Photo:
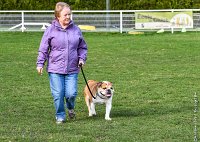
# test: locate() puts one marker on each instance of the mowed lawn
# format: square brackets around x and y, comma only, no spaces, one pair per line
[155,77]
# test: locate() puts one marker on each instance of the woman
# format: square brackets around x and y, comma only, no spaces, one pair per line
[65,50]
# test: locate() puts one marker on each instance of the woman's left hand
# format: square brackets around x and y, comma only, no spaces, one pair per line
[80,63]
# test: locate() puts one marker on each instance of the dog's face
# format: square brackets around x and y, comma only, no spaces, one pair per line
[105,89]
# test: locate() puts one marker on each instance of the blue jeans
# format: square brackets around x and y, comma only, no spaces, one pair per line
[63,88]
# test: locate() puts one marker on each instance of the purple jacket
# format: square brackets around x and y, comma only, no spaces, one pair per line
[62,49]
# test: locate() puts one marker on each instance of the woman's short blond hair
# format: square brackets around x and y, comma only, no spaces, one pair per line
[59,7]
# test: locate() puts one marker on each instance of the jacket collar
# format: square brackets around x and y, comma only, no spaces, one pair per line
[57,25]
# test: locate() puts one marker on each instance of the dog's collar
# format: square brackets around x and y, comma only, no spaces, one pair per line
[100,96]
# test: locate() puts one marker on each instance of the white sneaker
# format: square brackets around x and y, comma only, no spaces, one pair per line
[60,121]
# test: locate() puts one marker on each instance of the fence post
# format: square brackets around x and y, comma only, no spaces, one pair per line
[121,19]
[172,24]
[22,28]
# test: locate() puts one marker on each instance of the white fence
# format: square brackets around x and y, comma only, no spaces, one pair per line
[93,21]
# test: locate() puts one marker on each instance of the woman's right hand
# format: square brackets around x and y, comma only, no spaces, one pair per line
[40,70]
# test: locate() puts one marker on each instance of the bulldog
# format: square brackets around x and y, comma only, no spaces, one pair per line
[103,93]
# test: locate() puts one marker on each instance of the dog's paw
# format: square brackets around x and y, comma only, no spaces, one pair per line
[94,114]
[90,115]
[108,118]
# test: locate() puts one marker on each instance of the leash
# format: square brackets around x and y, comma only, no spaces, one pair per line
[86,82]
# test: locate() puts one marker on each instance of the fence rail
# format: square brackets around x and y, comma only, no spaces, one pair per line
[100,21]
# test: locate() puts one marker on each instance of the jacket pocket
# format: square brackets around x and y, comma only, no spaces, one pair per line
[55,57]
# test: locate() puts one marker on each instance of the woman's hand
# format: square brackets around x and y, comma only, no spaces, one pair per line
[80,63]
[40,70]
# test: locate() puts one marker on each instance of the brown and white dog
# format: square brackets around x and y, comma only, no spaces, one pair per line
[103,93]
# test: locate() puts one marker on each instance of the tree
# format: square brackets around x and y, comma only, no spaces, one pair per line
[99,4]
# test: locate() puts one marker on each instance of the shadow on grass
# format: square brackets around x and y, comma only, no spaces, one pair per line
[136,112]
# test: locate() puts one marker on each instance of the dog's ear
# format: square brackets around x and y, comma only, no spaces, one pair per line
[99,84]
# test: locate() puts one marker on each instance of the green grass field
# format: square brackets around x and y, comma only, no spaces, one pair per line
[155,77]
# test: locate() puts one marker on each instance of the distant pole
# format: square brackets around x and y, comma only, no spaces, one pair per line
[107,4]
[107,15]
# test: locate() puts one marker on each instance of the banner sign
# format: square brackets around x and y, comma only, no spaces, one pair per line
[162,20]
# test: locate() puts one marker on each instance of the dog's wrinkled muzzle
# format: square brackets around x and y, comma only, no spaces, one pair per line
[108,93]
